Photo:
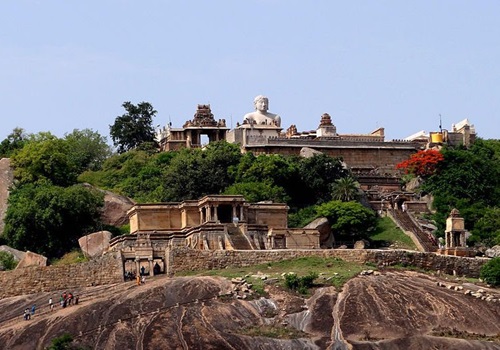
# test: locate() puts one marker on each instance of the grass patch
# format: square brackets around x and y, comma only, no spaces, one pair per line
[386,233]
[331,271]
[73,257]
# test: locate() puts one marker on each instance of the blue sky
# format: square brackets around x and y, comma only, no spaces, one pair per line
[68,65]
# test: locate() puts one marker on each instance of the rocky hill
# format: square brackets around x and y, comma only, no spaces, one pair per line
[390,310]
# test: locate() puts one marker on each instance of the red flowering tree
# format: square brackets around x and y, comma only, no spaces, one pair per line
[422,163]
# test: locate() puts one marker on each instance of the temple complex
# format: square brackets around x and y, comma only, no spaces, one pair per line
[217,222]
[370,157]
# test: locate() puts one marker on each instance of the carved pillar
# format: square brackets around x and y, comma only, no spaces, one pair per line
[201,216]
[234,210]
[150,265]
[216,217]
[242,217]
[137,267]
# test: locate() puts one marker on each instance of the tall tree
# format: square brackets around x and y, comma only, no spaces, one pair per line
[45,158]
[134,128]
[88,149]
[49,219]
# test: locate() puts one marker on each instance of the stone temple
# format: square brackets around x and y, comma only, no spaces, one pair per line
[369,156]
[229,222]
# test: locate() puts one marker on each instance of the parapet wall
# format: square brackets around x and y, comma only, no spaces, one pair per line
[109,268]
[105,270]
[183,259]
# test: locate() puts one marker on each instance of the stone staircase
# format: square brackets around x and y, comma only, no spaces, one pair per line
[238,240]
[404,221]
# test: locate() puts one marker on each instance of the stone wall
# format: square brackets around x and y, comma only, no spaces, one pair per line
[106,270]
[384,157]
[183,259]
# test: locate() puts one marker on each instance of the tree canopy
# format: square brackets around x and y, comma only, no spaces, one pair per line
[133,128]
[469,180]
[49,219]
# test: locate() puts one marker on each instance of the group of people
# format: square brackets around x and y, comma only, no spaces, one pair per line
[29,313]
[66,299]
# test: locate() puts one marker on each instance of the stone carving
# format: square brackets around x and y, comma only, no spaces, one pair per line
[261,116]
[326,120]
[204,118]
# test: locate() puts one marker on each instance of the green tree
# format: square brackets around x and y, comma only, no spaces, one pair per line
[317,175]
[14,141]
[490,272]
[88,149]
[45,157]
[350,220]
[134,127]
[466,179]
[345,189]
[49,219]
[487,228]
[258,191]
[194,173]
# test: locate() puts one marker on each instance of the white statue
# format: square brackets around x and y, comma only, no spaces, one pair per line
[261,116]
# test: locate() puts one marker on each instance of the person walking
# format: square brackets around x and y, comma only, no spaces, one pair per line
[51,304]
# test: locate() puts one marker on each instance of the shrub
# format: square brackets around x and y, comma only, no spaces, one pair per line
[7,261]
[300,284]
[490,272]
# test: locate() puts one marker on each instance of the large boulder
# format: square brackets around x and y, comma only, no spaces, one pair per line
[361,244]
[115,208]
[326,239]
[95,244]
[6,180]
[307,152]
[493,252]
[32,259]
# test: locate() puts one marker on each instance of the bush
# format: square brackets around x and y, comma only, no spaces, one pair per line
[300,284]
[7,261]
[490,272]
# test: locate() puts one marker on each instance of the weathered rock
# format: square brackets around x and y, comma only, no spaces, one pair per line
[95,244]
[32,259]
[361,244]
[326,239]
[115,208]
[6,180]
[307,152]
[396,310]
[17,254]
[493,252]
[413,184]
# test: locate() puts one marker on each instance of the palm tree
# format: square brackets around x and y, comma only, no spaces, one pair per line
[345,189]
